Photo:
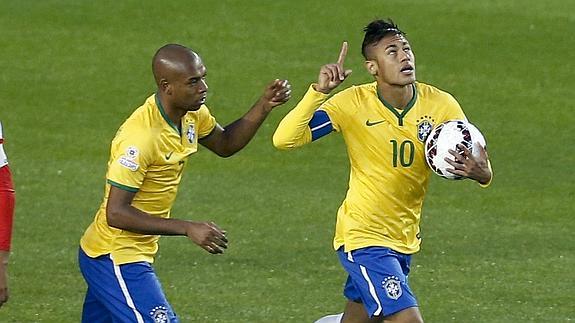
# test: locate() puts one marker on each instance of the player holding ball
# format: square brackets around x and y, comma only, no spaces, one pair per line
[384,125]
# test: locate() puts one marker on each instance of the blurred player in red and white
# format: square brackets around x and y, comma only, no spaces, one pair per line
[6,217]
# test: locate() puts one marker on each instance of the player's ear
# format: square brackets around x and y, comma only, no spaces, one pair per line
[371,67]
[165,86]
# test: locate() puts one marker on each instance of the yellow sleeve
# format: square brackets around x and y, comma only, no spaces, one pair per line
[453,111]
[293,130]
[206,122]
[131,155]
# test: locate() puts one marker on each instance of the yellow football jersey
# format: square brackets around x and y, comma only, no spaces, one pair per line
[147,157]
[385,146]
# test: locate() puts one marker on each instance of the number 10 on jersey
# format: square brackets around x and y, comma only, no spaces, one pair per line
[404,153]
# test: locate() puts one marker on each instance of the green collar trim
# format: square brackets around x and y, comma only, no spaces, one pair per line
[164,115]
[405,110]
[122,186]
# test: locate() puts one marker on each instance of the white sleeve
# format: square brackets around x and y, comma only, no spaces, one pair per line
[3,158]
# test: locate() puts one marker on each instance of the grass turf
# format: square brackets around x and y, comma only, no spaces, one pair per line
[72,71]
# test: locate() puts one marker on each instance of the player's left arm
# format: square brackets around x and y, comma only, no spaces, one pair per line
[466,164]
[310,119]
[226,141]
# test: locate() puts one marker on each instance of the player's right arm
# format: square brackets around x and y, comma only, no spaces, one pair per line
[133,152]
[305,123]
[122,215]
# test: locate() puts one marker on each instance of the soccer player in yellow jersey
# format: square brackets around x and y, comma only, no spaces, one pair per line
[384,125]
[148,155]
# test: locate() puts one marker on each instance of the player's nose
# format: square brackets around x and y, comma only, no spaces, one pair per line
[203,86]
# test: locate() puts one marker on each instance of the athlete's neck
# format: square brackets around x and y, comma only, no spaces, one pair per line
[172,113]
[396,95]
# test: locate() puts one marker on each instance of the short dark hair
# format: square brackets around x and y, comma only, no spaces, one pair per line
[376,30]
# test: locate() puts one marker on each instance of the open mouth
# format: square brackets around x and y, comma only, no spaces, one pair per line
[407,69]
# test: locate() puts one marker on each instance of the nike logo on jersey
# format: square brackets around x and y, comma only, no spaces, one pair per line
[369,123]
[168,155]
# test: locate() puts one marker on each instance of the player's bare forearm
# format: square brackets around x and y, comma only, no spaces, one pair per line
[131,219]
[207,235]
[239,133]
[122,215]
[228,140]
[481,175]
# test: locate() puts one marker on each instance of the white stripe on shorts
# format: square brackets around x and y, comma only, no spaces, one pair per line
[371,290]
[126,293]
[349,257]
[369,283]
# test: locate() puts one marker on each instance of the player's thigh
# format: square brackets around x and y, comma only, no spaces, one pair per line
[147,293]
[378,280]
[356,313]
[408,315]
[130,292]
[93,311]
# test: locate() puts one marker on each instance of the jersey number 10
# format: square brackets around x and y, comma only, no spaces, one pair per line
[403,152]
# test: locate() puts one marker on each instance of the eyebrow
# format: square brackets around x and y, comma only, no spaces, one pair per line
[195,78]
[403,43]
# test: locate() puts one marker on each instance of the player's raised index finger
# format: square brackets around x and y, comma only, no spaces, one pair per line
[342,54]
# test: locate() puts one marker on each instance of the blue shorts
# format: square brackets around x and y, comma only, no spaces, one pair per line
[122,293]
[378,279]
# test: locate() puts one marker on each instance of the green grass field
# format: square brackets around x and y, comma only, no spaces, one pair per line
[72,71]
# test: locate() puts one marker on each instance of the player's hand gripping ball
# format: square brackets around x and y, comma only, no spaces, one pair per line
[446,136]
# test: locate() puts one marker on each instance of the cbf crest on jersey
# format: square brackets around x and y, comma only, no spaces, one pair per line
[191,133]
[392,287]
[424,126]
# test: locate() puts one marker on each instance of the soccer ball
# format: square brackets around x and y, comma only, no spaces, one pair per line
[447,135]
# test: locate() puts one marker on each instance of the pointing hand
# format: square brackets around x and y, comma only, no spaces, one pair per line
[332,75]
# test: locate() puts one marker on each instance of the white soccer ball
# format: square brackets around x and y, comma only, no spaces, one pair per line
[447,135]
